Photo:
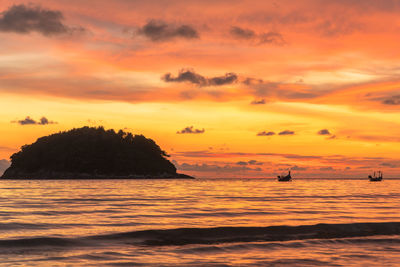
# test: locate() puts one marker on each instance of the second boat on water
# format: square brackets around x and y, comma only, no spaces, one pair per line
[285,178]
[377,177]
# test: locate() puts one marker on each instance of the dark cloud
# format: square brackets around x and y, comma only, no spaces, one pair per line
[159,31]
[185,76]
[286,132]
[258,102]
[241,33]
[264,133]
[32,18]
[193,77]
[190,130]
[255,162]
[29,121]
[393,100]
[250,162]
[228,78]
[324,132]
[4,164]
[258,39]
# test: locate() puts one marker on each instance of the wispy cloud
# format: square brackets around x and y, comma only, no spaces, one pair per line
[258,102]
[225,168]
[393,100]
[286,132]
[264,133]
[190,130]
[262,38]
[250,162]
[190,76]
[29,121]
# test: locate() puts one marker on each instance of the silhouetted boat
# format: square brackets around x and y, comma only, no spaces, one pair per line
[377,177]
[285,178]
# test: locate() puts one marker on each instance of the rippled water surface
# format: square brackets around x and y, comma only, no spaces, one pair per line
[120,222]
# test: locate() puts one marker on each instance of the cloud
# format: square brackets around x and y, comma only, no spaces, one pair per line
[337,27]
[272,38]
[185,76]
[208,154]
[228,78]
[214,168]
[258,39]
[33,18]
[159,31]
[286,132]
[190,130]
[258,102]
[192,77]
[390,164]
[242,33]
[367,5]
[393,100]
[4,164]
[29,121]
[324,132]
[250,162]
[252,81]
[255,162]
[326,169]
[264,133]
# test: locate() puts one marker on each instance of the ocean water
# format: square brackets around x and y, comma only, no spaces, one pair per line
[202,222]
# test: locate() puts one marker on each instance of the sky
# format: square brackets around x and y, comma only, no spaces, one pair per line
[227,88]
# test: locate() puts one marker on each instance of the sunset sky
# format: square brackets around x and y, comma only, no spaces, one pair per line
[227,88]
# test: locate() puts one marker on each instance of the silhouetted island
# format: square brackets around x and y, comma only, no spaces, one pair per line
[91,153]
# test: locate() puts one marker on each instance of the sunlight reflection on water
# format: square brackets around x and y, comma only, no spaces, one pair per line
[44,208]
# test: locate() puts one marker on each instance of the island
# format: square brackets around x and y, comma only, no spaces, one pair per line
[92,153]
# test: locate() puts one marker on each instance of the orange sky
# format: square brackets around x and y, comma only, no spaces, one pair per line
[309,85]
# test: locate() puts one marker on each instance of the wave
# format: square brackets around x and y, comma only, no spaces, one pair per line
[218,235]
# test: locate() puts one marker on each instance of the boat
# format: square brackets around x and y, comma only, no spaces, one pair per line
[285,178]
[377,177]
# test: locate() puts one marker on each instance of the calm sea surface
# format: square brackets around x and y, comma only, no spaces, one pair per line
[202,222]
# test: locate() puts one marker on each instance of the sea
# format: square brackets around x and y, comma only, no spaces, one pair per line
[200,222]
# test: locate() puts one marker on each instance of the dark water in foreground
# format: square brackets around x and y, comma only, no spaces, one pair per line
[212,222]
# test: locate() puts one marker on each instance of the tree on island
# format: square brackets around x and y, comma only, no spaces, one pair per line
[91,152]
